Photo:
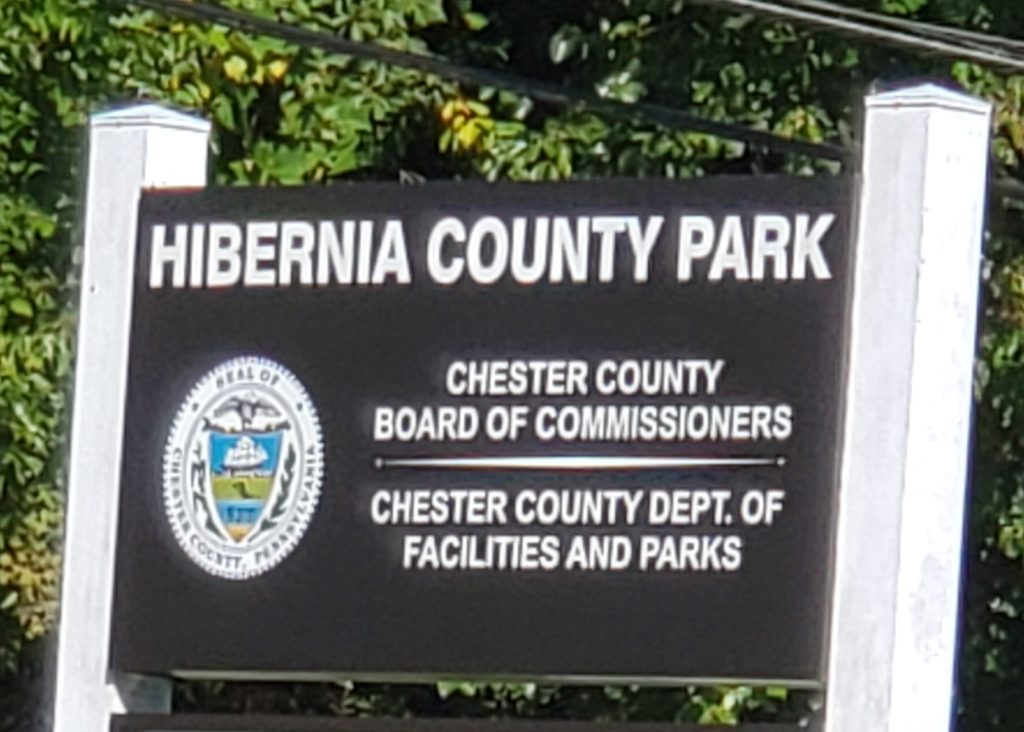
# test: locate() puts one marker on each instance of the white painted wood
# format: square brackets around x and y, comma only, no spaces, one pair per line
[129,149]
[908,409]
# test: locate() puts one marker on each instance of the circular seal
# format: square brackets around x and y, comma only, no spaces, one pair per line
[242,468]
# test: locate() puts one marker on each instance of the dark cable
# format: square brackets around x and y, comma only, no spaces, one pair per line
[543,91]
[1007,187]
[916,27]
[668,117]
[881,35]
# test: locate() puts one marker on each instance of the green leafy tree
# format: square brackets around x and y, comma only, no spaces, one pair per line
[285,115]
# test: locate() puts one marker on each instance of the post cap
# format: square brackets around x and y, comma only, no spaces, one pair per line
[929,95]
[149,114]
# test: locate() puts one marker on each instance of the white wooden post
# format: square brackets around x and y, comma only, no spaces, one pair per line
[908,411]
[129,149]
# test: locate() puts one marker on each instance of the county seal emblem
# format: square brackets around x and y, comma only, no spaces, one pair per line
[242,468]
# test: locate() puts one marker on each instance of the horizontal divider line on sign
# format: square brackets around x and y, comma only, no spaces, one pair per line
[575,462]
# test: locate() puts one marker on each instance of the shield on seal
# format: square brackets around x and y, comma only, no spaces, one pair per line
[243,468]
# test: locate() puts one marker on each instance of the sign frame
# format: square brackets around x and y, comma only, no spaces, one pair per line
[924,169]
[777,353]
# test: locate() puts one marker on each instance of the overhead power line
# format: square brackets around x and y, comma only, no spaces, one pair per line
[543,91]
[1007,188]
[876,32]
[855,22]
[915,27]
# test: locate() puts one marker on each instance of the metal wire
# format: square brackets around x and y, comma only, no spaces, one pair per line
[543,91]
[880,34]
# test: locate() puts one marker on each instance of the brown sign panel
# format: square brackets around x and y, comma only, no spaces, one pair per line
[573,430]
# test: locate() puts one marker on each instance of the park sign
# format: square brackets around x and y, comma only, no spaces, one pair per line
[626,431]
[464,429]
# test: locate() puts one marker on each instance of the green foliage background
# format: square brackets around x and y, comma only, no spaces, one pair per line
[285,115]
